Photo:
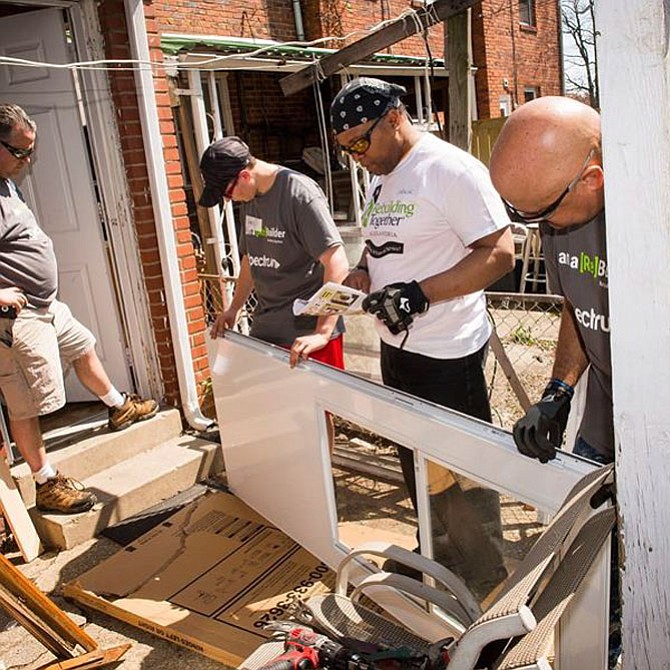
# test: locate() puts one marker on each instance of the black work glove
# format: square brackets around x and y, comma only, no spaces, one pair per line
[396,305]
[540,432]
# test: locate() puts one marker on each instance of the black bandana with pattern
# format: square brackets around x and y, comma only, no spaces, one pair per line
[361,100]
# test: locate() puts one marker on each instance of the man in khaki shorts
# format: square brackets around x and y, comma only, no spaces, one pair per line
[39,337]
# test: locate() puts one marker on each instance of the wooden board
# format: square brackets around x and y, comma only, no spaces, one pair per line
[48,624]
[392,32]
[46,616]
[17,515]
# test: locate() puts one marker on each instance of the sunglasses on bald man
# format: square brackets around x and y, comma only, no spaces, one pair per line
[543,214]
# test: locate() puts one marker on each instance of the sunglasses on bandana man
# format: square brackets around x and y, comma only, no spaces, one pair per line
[536,217]
[362,144]
[19,154]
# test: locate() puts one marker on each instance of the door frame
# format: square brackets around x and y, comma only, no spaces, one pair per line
[116,202]
[118,214]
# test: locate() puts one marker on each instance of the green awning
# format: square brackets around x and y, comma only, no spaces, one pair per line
[174,44]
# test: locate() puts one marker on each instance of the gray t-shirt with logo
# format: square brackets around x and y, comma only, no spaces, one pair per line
[576,260]
[284,232]
[27,258]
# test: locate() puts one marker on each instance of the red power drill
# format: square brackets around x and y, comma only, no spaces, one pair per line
[295,657]
[306,650]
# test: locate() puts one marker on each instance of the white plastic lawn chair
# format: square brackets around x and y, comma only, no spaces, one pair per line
[514,632]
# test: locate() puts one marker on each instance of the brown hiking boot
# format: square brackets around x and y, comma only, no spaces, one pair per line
[134,409]
[62,494]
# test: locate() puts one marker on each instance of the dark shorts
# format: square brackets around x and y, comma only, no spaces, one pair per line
[457,383]
[584,449]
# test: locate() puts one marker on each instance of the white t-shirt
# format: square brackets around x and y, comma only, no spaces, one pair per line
[419,220]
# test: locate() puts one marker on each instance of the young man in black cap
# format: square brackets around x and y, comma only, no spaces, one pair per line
[437,234]
[289,245]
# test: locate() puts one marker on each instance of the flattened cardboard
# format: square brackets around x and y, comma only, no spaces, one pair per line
[208,579]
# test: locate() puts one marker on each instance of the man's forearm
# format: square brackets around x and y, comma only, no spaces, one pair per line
[243,286]
[325,325]
[571,359]
[478,270]
[335,269]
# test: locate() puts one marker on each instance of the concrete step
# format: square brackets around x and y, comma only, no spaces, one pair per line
[101,449]
[126,488]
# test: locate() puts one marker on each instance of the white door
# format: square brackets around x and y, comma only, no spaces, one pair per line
[59,185]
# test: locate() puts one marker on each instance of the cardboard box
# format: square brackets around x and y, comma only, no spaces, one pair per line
[207,578]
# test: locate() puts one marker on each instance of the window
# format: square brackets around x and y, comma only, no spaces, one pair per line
[530,93]
[527,12]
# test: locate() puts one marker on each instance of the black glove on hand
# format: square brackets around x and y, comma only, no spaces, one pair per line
[396,305]
[540,432]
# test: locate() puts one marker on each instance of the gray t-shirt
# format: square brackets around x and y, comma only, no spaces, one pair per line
[576,260]
[284,232]
[27,258]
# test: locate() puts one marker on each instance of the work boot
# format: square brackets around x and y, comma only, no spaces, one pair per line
[65,495]
[133,409]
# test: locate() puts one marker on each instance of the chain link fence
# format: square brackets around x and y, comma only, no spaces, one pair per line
[527,326]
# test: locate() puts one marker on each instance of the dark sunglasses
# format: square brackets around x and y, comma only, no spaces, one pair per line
[19,154]
[543,214]
[362,144]
[228,193]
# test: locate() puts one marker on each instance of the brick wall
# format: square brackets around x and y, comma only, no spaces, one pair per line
[277,128]
[524,56]
[112,18]
[343,17]
[503,48]
[273,19]
[261,19]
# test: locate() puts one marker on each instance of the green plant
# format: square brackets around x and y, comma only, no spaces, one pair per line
[523,335]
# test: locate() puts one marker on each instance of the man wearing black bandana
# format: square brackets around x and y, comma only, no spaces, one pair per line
[437,234]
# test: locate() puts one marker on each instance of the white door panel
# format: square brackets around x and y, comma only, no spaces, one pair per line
[275,447]
[59,185]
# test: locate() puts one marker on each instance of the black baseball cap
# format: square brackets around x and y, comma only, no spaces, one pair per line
[221,162]
[362,100]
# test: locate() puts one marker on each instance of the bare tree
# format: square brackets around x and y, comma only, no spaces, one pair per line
[581,55]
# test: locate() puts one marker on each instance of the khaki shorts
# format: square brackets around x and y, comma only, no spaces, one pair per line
[36,349]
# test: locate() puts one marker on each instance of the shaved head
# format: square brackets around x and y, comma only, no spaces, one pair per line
[540,151]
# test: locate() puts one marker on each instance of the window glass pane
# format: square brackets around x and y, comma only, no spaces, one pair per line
[530,93]
[527,12]
[477,533]
[371,497]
